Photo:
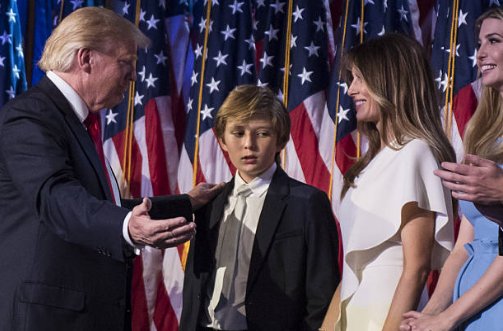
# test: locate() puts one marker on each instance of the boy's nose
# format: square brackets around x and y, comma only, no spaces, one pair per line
[249,141]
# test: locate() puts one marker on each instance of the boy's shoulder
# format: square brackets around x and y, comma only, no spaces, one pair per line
[296,186]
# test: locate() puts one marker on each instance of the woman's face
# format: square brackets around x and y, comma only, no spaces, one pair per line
[490,53]
[365,106]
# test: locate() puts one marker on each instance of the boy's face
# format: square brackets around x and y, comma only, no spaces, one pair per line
[252,146]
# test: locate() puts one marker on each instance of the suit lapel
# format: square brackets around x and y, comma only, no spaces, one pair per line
[215,217]
[272,211]
[218,205]
[78,130]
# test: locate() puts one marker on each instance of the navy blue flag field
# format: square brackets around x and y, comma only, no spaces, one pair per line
[12,63]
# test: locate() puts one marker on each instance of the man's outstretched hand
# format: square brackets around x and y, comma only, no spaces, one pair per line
[159,233]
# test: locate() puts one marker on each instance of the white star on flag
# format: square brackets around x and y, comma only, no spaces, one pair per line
[305,75]
[151,81]
[236,7]
[206,112]
[111,117]
[228,33]
[220,59]
[152,22]
[213,85]
[138,99]
[342,114]
[297,14]
[312,49]
[266,60]
[245,68]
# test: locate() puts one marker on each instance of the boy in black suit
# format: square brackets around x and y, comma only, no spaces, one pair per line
[265,253]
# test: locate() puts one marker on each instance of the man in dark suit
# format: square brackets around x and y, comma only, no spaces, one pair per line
[66,238]
[265,254]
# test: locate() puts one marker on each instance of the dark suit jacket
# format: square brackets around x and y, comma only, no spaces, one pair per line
[63,260]
[293,269]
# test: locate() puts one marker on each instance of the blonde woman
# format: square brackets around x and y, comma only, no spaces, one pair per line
[469,294]
[395,215]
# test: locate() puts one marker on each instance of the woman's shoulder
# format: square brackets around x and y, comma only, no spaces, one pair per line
[417,150]
[416,145]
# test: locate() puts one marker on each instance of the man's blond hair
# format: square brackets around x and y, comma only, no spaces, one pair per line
[90,27]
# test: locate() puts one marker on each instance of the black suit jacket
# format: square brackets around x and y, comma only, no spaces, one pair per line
[63,260]
[293,269]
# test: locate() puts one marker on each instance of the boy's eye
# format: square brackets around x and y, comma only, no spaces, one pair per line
[237,133]
[263,133]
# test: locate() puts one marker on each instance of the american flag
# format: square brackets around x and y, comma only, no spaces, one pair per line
[226,38]
[47,16]
[142,137]
[361,21]
[454,61]
[246,42]
[12,68]
[160,140]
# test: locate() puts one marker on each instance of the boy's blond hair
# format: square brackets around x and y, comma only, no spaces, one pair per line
[245,102]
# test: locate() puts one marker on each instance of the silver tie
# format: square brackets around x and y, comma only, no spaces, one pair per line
[231,239]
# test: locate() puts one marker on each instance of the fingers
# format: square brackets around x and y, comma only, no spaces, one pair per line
[160,233]
[458,168]
[202,193]
[217,187]
[405,326]
[411,315]
[172,232]
[475,160]
[447,175]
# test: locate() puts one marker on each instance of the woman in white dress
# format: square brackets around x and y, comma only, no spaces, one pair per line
[396,217]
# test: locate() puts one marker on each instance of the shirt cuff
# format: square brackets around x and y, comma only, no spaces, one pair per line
[125,234]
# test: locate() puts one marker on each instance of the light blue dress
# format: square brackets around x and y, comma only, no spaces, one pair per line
[481,253]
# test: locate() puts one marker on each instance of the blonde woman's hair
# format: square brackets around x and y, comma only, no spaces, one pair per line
[246,102]
[90,27]
[485,128]
[398,77]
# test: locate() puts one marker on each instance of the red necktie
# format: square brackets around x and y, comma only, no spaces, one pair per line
[92,123]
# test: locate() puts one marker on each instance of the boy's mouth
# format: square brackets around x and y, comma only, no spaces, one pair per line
[249,158]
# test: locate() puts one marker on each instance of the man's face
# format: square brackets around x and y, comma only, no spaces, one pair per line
[252,146]
[111,72]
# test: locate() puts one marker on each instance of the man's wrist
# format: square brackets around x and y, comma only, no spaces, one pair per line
[125,233]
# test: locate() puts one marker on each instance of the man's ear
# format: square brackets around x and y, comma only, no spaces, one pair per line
[222,144]
[85,58]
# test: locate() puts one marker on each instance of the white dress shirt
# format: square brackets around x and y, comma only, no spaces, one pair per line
[230,314]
